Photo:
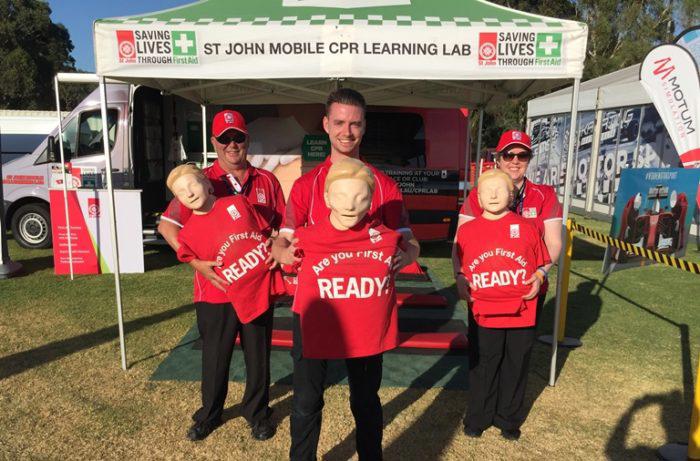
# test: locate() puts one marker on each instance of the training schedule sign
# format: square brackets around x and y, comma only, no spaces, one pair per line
[425,182]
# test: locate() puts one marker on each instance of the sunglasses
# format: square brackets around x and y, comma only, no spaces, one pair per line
[229,136]
[509,156]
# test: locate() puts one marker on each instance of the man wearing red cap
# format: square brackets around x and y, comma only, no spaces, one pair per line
[534,202]
[231,174]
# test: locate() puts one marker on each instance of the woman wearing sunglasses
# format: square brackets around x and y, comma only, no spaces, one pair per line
[535,202]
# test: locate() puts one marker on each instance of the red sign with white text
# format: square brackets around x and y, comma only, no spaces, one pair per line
[83,251]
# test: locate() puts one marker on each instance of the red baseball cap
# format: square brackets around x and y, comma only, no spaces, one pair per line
[514,138]
[228,120]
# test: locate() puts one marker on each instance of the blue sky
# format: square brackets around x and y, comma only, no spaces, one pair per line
[78,16]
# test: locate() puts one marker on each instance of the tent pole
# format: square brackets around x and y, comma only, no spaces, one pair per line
[63,171]
[112,218]
[565,216]
[204,136]
[478,151]
[595,156]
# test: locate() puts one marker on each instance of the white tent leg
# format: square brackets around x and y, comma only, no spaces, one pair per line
[112,218]
[205,160]
[565,216]
[63,170]
[593,160]
[478,151]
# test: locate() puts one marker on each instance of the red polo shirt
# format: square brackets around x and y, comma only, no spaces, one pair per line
[539,204]
[263,191]
[307,206]
[260,187]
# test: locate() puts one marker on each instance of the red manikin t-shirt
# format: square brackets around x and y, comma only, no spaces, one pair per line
[235,234]
[345,295]
[497,257]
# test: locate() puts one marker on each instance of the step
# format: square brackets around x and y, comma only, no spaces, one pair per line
[442,341]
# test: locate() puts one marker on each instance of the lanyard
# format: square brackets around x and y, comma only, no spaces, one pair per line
[516,206]
[234,187]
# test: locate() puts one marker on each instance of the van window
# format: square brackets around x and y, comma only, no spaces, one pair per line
[396,139]
[89,138]
[82,136]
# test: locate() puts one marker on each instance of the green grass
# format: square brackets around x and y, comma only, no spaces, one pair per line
[63,395]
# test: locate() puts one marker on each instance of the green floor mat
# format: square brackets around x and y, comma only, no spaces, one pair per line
[402,368]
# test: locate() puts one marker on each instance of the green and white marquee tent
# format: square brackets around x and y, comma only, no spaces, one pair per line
[418,53]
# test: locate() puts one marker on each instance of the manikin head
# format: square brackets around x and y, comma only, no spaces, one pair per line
[191,187]
[495,191]
[349,188]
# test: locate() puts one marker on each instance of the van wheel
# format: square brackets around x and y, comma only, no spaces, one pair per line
[31,226]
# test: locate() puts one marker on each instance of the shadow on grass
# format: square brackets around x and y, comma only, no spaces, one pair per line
[672,411]
[20,362]
[683,331]
[30,266]
[424,439]
[587,251]
[159,257]
[166,351]
[584,311]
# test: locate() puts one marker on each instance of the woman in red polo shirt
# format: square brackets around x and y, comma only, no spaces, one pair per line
[504,269]
[534,202]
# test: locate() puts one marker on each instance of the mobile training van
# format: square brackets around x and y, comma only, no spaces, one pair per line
[151,132]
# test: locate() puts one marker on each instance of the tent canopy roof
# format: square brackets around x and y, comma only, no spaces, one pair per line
[451,53]
[616,89]
[345,12]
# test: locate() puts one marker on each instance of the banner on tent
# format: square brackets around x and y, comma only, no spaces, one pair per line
[670,76]
[654,210]
[296,51]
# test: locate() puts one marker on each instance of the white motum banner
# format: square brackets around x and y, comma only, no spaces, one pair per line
[670,76]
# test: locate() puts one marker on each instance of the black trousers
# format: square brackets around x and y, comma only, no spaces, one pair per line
[365,378]
[218,326]
[498,365]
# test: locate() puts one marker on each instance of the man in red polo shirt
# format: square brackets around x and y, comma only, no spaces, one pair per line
[534,202]
[345,124]
[231,174]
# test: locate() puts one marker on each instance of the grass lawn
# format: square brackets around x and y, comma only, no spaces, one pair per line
[63,395]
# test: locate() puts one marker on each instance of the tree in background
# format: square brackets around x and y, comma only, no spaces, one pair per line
[620,34]
[32,50]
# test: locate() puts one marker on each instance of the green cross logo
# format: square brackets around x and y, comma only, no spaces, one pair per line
[548,45]
[184,43]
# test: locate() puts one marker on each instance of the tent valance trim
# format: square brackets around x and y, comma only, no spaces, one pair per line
[322,20]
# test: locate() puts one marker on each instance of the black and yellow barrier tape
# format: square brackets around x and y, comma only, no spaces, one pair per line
[660,258]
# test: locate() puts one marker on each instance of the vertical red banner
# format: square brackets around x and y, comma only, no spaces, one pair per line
[82,248]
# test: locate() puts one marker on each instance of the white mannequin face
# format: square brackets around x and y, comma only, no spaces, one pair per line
[192,191]
[349,200]
[494,196]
